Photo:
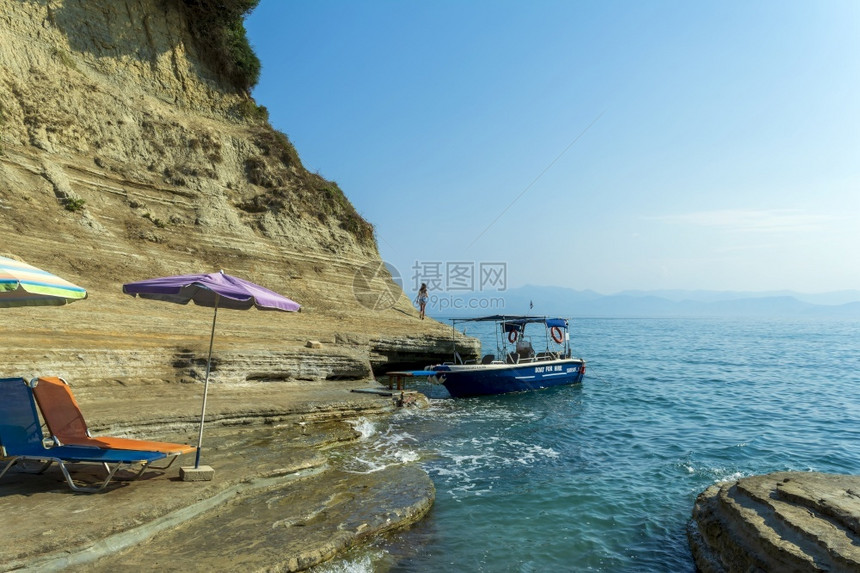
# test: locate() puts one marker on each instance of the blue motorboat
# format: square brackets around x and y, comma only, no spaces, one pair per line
[517,366]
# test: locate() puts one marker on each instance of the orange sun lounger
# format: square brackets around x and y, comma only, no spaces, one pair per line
[67,426]
[21,441]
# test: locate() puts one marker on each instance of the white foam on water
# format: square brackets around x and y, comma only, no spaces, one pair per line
[353,564]
[483,442]
[532,453]
[407,456]
[366,466]
[731,477]
[469,467]
[467,489]
[364,427]
[494,451]
[380,449]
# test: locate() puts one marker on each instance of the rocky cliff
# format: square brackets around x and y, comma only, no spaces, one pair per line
[127,152]
[124,155]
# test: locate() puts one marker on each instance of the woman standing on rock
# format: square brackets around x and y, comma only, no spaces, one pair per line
[422,300]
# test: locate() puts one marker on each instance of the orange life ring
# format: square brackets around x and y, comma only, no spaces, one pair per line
[555,332]
[512,336]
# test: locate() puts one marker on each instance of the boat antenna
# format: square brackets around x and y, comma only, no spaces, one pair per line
[535,180]
[454,338]
[567,336]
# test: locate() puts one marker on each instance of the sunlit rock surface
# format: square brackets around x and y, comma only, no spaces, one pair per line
[787,521]
[124,156]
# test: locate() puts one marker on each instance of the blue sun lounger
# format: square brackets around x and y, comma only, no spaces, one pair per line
[21,439]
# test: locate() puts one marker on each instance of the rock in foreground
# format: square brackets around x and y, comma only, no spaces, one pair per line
[786,521]
[280,500]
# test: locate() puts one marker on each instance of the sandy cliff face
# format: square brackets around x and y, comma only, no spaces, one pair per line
[123,156]
[115,92]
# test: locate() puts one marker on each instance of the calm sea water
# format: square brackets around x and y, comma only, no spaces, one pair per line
[603,476]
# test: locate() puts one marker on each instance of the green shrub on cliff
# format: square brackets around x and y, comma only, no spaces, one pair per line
[330,201]
[219,29]
[75,204]
[65,58]
[249,109]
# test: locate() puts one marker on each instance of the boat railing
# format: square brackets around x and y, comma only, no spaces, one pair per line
[514,358]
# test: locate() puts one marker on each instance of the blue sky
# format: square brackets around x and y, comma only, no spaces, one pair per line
[590,145]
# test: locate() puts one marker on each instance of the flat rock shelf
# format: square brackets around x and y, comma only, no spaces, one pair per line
[786,521]
[276,501]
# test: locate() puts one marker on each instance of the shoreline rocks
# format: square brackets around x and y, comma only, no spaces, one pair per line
[784,521]
[278,500]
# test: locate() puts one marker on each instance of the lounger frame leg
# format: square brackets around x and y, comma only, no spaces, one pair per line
[22,466]
[45,464]
[142,469]
[110,470]
[11,463]
[170,463]
[87,489]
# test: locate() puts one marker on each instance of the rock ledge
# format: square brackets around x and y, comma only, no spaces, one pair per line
[786,521]
[279,500]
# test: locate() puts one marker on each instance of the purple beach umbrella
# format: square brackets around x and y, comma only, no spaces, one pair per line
[215,290]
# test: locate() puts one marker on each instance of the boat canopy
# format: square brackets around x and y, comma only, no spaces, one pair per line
[516,323]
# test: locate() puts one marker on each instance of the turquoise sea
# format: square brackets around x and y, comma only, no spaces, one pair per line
[603,476]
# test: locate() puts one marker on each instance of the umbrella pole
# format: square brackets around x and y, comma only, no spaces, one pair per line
[206,383]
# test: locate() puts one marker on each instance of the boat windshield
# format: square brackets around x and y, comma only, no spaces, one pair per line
[514,342]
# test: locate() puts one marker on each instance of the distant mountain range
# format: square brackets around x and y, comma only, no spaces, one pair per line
[665,303]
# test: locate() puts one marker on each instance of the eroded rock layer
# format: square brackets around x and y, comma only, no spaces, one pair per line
[787,521]
[124,155]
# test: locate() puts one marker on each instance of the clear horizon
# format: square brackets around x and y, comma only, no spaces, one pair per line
[604,146]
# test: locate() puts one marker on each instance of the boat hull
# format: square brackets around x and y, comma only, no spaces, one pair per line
[487,379]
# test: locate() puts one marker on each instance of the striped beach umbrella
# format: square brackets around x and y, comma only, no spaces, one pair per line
[25,285]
